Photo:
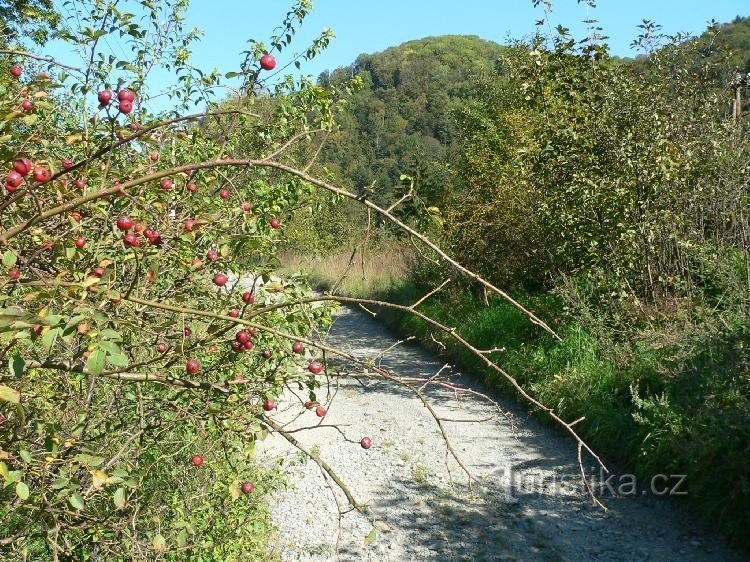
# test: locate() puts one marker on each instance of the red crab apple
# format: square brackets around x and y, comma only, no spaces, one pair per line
[248,345]
[269,405]
[98,271]
[187,331]
[13,180]
[275,223]
[46,245]
[76,216]
[237,347]
[298,347]
[192,188]
[126,107]
[315,367]
[14,274]
[22,166]
[366,442]
[126,95]
[267,354]
[212,255]
[27,105]
[134,127]
[224,193]
[248,487]
[2,421]
[150,275]
[192,366]
[150,233]
[197,262]
[190,226]
[212,348]
[234,313]
[80,242]
[246,207]
[267,62]
[42,175]
[139,227]
[166,183]
[80,183]
[321,411]
[16,70]
[220,279]
[124,223]
[242,336]
[197,461]
[105,96]
[154,156]
[131,240]
[248,297]
[66,163]
[161,348]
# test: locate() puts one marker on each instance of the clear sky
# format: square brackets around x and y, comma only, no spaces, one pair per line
[365,26]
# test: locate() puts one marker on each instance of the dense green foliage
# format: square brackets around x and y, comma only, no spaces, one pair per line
[135,371]
[612,194]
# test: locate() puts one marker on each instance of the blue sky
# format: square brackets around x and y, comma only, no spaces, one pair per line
[373,25]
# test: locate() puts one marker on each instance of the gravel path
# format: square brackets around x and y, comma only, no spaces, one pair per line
[528,506]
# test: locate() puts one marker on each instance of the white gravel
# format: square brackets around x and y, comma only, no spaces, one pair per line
[519,511]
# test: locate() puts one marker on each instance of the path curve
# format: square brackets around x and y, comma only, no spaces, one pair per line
[528,506]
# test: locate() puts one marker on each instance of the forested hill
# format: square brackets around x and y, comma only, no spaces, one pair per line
[401,121]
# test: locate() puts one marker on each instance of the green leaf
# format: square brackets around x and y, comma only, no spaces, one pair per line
[89,460]
[119,498]
[9,259]
[110,347]
[22,491]
[119,360]
[76,501]
[371,536]
[8,394]
[17,365]
[25,456]
[111,335]
[95,362]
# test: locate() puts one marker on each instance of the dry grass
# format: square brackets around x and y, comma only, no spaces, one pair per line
[384,266]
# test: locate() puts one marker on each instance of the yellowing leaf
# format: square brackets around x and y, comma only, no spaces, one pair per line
[8,394]
[371,536]
[159,543]
[99,479]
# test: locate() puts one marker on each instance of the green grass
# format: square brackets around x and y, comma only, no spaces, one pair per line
[645,410]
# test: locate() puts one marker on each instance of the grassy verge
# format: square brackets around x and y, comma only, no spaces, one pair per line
[647,412]
[380,270]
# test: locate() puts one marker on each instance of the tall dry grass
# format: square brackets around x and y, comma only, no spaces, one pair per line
[382,267]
